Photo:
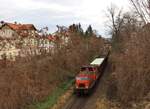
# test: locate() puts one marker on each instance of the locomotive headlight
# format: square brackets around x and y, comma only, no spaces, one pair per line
[77,86]
[77,78]
[86,86]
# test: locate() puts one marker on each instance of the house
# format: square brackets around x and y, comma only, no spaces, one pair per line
[63,34]
[14,37]
[47,43]
[24,40]
[10,30]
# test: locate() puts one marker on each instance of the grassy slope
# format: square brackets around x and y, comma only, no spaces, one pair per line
[52,99]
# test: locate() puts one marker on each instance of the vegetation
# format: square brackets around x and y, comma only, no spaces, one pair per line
[129,81]
[31,79]
[89,31]
[104,103]
[52,99]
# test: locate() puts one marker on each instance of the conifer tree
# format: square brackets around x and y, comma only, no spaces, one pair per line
[89,31]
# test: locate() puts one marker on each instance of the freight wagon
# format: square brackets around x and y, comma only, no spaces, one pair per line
[90,74]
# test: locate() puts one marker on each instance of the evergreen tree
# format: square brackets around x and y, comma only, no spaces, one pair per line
[89,31]
[80,30]
[76,28]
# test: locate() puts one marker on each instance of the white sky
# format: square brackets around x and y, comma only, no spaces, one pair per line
[58,12]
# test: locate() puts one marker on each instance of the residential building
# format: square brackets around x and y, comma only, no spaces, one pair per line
[15,37]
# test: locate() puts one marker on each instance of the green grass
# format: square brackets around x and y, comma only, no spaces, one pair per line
[52,99]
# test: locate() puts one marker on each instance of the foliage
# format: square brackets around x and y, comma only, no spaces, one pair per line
[52,99]
[76,28]
[89,32]
[31,79]
[130,66]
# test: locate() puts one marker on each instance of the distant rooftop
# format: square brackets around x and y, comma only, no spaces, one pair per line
[19,26]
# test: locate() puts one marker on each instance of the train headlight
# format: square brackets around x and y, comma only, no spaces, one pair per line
[77,86]
[86,86]
[77,78]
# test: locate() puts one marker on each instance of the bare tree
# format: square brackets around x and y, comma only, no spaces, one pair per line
[142,8]
[115,17]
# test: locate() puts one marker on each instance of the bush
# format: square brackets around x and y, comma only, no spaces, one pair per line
[34,78]
[131,66]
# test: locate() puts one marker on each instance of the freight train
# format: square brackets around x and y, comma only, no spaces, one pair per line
[90,74]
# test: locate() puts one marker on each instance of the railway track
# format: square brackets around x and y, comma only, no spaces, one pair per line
[88,101]
[82,101]
[76,102]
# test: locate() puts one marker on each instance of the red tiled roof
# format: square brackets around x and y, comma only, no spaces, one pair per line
[51,38]
[21,26]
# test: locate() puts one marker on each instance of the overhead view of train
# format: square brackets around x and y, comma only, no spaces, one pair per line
[88,75]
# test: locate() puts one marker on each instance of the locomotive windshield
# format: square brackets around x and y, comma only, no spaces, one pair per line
[82,78]
[87,70]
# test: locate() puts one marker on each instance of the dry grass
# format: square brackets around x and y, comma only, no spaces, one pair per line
[106,104]
[63,99]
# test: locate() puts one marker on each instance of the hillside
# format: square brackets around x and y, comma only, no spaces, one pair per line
[31,79]
[130,59]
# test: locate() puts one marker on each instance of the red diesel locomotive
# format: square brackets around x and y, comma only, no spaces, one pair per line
[89,75]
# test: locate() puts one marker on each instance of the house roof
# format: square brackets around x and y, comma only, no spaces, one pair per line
[51,38]
[20,26]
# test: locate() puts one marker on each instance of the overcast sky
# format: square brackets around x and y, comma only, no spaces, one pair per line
[58,12]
